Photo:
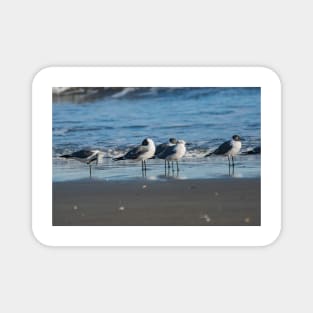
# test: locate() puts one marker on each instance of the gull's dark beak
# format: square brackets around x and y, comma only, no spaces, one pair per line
[187,144]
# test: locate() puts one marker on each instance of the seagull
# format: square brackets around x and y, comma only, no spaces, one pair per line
[84,156]
[229,148]
[161,147]
[174,152]
[140,153]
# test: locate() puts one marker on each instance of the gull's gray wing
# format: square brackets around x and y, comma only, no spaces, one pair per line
[82,154]
[166,152]
[223,148]
[134,153]
[160,148]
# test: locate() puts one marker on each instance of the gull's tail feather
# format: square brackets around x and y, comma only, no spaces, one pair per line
[119,158]
[209,154]
[66,156]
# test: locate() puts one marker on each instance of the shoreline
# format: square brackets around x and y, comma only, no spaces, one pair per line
[170,202]
[191,168]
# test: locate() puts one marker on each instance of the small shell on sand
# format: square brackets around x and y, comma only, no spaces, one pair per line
[75,207]
[206,218]
[247,220]
[121,208]
[144,186]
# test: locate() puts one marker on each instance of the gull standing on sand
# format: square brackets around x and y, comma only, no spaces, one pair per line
[229,148]
[84,156]
[174,152]
[141,153]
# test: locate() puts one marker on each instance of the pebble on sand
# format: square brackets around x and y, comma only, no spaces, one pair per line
[247,220]
[206,218]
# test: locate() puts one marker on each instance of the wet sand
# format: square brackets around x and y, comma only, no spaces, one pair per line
[211,202]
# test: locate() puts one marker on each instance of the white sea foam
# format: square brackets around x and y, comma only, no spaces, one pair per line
[124,92]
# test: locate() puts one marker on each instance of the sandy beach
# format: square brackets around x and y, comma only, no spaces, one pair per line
[206,202]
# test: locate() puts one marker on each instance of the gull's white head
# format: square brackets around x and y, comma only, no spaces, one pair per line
[237,138]
[147,142]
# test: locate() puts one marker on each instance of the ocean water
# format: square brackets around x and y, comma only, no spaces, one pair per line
[116,121]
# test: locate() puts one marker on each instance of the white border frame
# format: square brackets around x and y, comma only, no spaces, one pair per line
[156,235]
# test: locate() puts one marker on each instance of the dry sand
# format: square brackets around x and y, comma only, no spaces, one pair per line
[178,202]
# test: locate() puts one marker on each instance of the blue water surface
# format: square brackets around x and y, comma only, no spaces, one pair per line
[203,117]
